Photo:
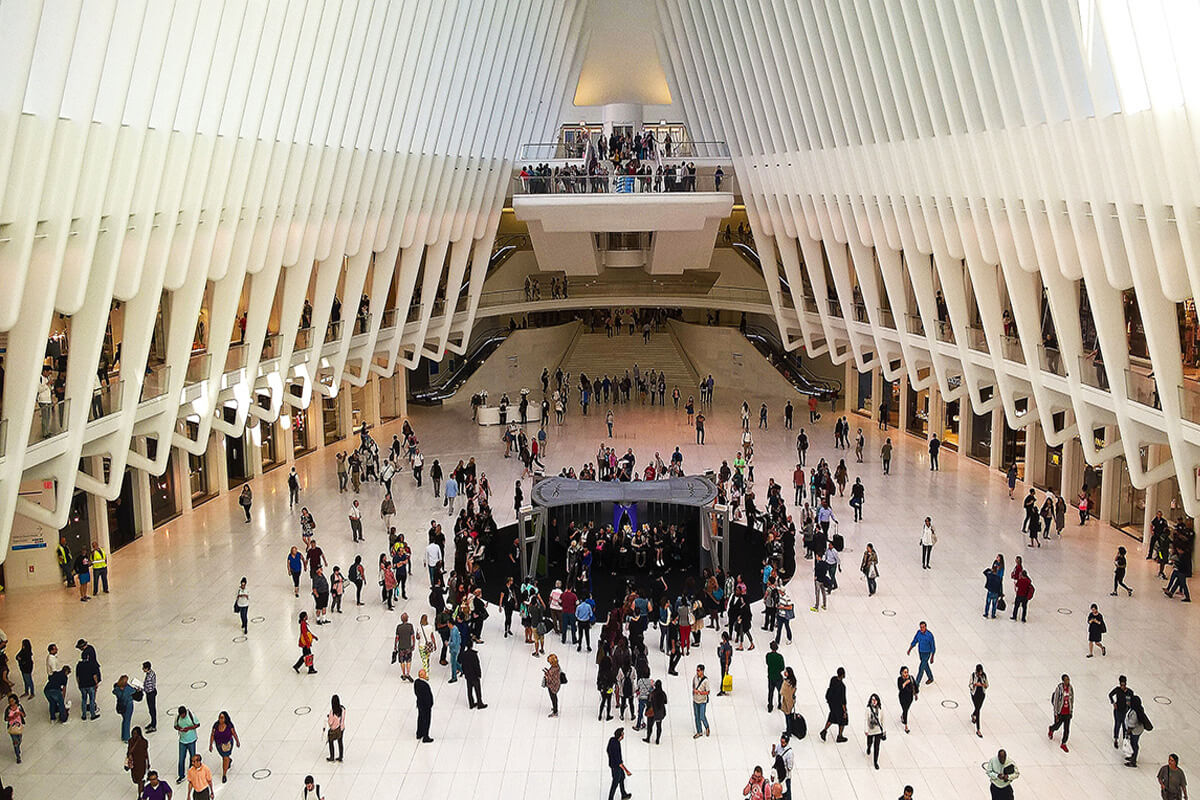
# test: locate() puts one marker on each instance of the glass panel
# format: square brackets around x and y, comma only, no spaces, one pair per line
[333,333]
[106,400]
[49,421]
[977,340]
[943,331]
[272,346]
[1142,389]
[1189,401]
[156,382]
[197,368]
[1092,372]
[981,437]
[1051,361]
[235,359]
[304,338]
[1010,347]
[916,325]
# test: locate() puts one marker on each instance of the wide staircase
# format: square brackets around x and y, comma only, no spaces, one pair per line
[597,355]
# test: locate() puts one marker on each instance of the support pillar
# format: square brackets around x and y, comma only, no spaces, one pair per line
[1108,479]
[902,423]
[997,459]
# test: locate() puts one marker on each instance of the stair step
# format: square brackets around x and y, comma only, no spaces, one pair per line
[597,355]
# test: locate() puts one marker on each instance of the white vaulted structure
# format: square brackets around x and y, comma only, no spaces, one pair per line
[998,201]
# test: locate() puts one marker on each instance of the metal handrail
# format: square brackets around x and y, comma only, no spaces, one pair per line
[621,184]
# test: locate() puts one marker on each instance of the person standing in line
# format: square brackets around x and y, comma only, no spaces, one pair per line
[293,489]
[241,604]
[246,499]
[616,764]
[907,690]
[1171,780]
[1024,591]
[124,692]
[926,648]
[1096,630]
[14,720]
[1136,723]
[928,540]
[1119,697]
[186,726]
[200,780]
[875,731]
[137,760]
[885,455]
[307,638]
[1001,772]
[1062,701]
[700,692]
[870,568]
[335,727]
[775,667]
[468,658]
[552,680]
[224,736]
[1120,563]
[977,685]
[424,696]
[835,699]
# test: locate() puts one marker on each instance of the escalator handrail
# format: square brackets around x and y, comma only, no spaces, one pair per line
[801,377]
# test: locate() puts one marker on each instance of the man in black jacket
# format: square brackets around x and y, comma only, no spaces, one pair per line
[468,659]
[424,705]
[617,764]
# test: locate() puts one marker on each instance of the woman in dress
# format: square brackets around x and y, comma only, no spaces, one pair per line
[977,685]
[907,689]
[1096,631]
[426,641]
[137,758]
[224,736]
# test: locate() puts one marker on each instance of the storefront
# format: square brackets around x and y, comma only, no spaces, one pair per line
[950,425]
[302,439]
[1013,450]
[918,412]
[78,530]
[358,407]
[164,499]
[201,487]
[331,417]
[268,439]
[981,438]
[865,404]
[1129,502]
[237,466]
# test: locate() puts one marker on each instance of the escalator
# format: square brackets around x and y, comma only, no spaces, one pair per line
[485,344]
[789,364]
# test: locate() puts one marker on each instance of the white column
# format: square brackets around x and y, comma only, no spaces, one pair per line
[997,459]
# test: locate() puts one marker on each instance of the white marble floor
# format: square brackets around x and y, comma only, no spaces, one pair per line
[173,592]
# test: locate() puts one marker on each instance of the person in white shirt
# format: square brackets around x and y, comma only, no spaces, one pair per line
[45,399]
[52,665]
[356,522]
[556,605]
[433,560]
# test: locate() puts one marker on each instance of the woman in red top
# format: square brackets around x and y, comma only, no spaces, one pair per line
[307,638]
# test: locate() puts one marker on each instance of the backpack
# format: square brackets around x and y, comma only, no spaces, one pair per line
[1030,592]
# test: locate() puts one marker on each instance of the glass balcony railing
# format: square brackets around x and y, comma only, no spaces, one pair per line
[1189,401]
[106,400]
[1142,389]
[333,332]
[715,294]
[1010,347]
[810,304]
[835,307]
[916,325]
[389,319]
[272,347]
[197,368]
[49,421]
[860,312]
[1051,361]
[578,150]
[654,183]
[886,318]
[1092,373]
[977,340]
[362,324]
[235,358]
[414,312]
[156,383]
[304,338]
[943,331]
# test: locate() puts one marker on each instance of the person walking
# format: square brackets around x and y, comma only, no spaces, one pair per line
[1096,630]
[700,428]
[926,649]
[700,691]
[14,720]
[468,659]
[293,489]
[656,712]
[450,492]
[1120,563]
[870,568]
[435,477]
[245,499]
[137,760]
[424,696]
[977,685]
[775,667]
[907,690]
[1119,697]
[928,540]
[835,699]
[858,494]
[335,728]
[311,790]
[1062,701]
[784,761]
[241,604]
[885,456]
[295,565]
[1136,723]
[200,780]
[224,737]
[1171,780]
[307,638]
[25,665]
[186,726]
[552,680]
[1001,772]
[616,764]
[875,732]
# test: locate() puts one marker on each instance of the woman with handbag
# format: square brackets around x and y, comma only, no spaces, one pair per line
[335,726]
[787,696]
[552,680]
[307,638]
[426,641]
[14,718]
[224,736]
[1096,631]
[656,712]
[875,731]
[137,758]
[908,690]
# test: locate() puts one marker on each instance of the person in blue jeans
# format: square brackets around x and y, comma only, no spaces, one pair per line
[700,693]
[186,726]
[87,675]
[55,692]
[926,647]
[994,584]
[124,694]
[585,613]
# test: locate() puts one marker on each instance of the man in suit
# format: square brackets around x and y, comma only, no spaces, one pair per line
[468,660]
[424,705]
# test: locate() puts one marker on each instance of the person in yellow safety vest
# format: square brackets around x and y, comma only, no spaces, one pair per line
[99,568]
[64,561]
